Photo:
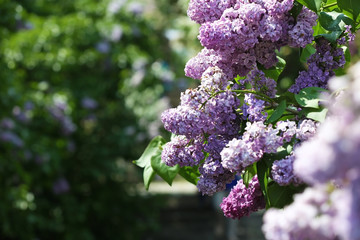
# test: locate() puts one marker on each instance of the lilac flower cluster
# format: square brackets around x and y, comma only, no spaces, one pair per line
[7,133]
[308,217]
[237,35]
[256,140]
[181,151]
[243,200]
[283,172]
[331,156]
[321,66]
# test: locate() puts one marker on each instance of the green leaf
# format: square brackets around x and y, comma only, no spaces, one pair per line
[311,4]
[164,171]
[152,150]
[346,53]
[278,112]
[350,7]
[309,97]
[280,196]
[274,72]
[334,21]
[249,173]
[331,36]
[263,176]
[191,174]
[318,115]
[306,53]
[288,96]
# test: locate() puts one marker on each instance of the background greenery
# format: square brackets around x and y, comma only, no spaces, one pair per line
[82,85]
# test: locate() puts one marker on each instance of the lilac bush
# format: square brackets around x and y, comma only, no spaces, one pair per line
[295,150]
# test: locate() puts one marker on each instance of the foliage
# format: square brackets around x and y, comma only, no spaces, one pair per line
[77,79]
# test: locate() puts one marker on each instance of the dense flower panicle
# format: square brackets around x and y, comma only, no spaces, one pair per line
[238,154]
[287,129]
[210,184]
[183,152]
[283,172]
[202,11]
[338,138]
[253,108]
[215,144]
[308,217]
[256,140]
[321,66]
[302,33]
[200,113]
[213,177]
[243,200]
[260,83]
[278,7]
[307,129]
[213,79]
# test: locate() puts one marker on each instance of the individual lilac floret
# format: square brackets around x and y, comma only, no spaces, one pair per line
[243,200]
[287,129]
[202,11]
[308,217]
[282,172]
[307,129]
[302,32]
[181,151]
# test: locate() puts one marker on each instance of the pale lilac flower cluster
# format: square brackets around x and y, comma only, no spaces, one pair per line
[256,140]
[321,66]
[330,156]
[308,217]
[243,200]
[236,35]
[283,172]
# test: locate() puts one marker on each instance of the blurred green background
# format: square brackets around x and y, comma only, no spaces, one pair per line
[82,85]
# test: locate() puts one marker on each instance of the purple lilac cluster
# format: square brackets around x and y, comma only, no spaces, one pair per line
[327,210]
[183,152]
[349,36]
[236,35]
[321,66]
[282,172]
[58,113]
[253,108]
[7,133]
[243,200]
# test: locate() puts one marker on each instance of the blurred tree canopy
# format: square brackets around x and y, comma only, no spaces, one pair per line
[82,85]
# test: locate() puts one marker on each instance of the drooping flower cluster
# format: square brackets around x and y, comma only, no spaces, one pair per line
[243,200]
[330,156]
[237,35]
[321,66]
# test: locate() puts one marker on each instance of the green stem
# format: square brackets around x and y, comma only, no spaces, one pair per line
[329,5]
[261,95]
